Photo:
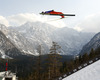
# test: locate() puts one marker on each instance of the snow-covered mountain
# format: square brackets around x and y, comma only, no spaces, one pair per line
[71,40]
[7,49]
[93,43]
[30,35]
[35,34]
[91,72]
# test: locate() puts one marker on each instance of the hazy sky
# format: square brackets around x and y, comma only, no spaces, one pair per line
[87,12]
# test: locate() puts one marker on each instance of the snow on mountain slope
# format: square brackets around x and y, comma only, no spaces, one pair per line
[93,43]
[18,40]
[71,40]
[91,72]
[36,34]
[7,49]
[30,35]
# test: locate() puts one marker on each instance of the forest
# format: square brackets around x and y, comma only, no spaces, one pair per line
[46,67]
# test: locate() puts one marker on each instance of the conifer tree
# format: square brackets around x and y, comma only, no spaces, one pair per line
[97,51]
[85,57]
[54,61]
[76,62]
[37,70]
[39,63]
[92,54]
[80,60]
[64,67]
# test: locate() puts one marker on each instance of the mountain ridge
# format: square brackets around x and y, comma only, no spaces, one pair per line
[7,48]
[93,43]
[30,35]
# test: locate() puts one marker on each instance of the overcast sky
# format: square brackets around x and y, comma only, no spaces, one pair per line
[17,12]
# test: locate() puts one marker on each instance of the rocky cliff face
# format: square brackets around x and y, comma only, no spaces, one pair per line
[7,49]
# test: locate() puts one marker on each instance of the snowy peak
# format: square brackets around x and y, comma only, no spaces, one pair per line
[30,35]
[35,34]
[35,27]
[4,29]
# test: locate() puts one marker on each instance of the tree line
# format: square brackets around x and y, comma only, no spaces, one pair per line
[48,68]
[82,59]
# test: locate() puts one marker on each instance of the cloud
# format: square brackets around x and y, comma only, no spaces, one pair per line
[4,21]
[78,28]
[19,19]
[90,24]
[22,18]
[56,22]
